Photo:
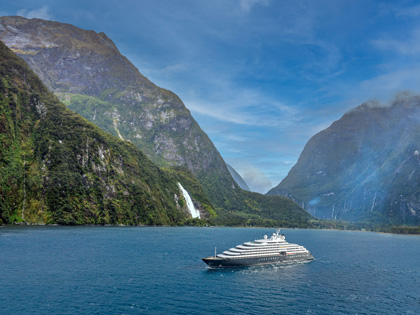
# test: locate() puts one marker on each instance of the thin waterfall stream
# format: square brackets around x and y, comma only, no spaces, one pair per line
[190,205]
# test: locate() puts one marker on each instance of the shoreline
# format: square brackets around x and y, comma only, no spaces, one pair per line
[206,226]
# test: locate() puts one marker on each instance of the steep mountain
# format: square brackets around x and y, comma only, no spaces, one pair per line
[56,167]
[88,73]
[238,179]
[365,166]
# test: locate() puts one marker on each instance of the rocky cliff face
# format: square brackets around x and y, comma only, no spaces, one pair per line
[365,166]
[86,70]
[56,167]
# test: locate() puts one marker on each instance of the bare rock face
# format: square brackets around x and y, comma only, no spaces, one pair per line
[365,166]
[88,73]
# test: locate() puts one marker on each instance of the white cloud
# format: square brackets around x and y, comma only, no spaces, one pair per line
[173,68]
[236,138]
[168,71]
[247,5]
[42,13]
[408,12]
[408,47]
[208,109]
[385,86]
[325,66]
[242,106]
[245,113]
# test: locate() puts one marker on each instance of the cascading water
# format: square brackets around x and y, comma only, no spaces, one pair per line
[194,212]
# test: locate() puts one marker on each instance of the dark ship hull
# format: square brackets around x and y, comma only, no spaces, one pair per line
[217,262]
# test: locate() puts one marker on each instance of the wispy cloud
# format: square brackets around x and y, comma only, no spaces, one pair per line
[412,12]
[236,138]
[386,85]
[248,108]
[248,5]
[169,70]
[324,66]
[409,46]
[207,109]
[42,13]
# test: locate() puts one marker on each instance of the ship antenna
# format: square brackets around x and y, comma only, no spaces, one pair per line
[278,232]
[215,252]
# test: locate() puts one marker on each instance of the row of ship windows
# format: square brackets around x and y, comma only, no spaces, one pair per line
[268,258]
[262,254]
[276,248]
[271,246]
[273,258]
[267,249]
[261,251]
[268,245]
[294,255]
[264,258]
[277,254]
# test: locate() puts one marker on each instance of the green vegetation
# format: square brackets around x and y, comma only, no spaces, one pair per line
[56,167]
[86,106]
[194,188]
[214,185]
[105,88]
[403,230]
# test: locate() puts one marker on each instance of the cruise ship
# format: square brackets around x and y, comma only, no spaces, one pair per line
[266,251]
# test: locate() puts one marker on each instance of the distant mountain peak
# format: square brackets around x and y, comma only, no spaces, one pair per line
[50,34]
[238,178]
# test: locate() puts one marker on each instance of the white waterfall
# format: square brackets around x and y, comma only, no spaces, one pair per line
[194,212]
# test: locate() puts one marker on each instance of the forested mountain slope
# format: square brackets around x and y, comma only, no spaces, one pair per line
[56,167]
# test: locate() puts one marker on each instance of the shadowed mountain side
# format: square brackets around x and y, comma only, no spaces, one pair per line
[365,166]
[86,71]
[238,179]
[56,167]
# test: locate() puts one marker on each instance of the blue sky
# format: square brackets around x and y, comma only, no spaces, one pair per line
[260,76]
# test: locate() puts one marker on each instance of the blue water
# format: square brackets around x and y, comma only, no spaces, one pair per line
[158,270]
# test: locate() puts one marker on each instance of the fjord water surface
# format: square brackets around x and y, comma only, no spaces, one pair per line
[158,270]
